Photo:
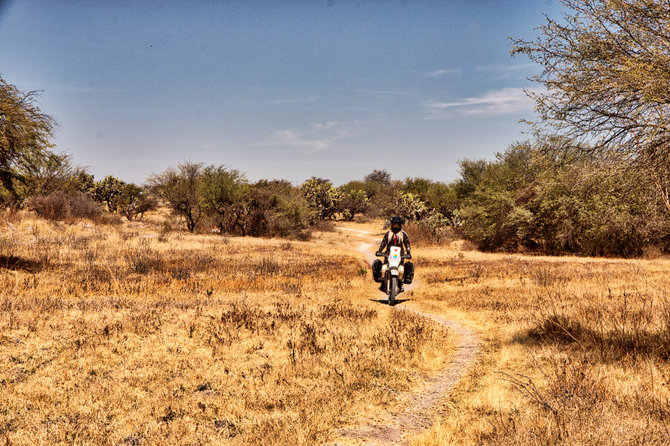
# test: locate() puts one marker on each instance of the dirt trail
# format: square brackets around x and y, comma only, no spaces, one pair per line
[420,408]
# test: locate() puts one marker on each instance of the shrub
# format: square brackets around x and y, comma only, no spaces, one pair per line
[181,189]
[353,200]
[81,205]
[423,234]
[134,201]
[276,208]
[62,206]
[322,197]
[561,199]
[324,226]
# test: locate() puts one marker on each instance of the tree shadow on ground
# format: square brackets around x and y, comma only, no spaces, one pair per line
[14,263]
[610,345]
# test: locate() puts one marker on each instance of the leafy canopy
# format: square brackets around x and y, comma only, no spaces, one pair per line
[25,131]
[605,70]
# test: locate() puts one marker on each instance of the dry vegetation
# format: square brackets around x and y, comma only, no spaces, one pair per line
[125,335]
[128,335]
[578,349]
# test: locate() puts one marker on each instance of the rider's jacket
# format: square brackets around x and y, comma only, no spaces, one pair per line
[400,239]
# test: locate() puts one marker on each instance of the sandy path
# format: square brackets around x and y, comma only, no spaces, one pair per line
[421,407]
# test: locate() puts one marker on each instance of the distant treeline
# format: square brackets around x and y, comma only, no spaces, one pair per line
[545,195]
[552,198]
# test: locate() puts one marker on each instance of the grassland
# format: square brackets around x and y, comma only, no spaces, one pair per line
[129,335]
[577,349]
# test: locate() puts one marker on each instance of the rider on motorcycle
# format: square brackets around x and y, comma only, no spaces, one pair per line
[395,237]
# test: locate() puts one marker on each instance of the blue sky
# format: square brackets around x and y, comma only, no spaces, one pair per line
[276,89]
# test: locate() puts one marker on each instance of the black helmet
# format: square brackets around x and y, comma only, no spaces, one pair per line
[396,224]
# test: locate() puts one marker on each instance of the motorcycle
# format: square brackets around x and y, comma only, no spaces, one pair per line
[393,271]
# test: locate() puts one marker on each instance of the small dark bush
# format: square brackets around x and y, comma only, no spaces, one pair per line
[51,207]
[81,205]
[267,267]
[109,219]
[144,261]
[425,235]
[324,226]
[65,206]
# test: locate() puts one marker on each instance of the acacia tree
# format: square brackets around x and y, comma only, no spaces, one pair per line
[134,201]
[223,191]
[181,190]
[108,190]
[379,176]
[45,172]
[353,199]
[24,131]
[605,69]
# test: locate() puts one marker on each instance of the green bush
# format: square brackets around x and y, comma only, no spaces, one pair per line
[277,208]
[353,200]
[321,197]
[560,199]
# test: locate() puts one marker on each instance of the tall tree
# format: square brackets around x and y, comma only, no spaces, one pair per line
[223,191]
[379,176]
[607,79]
[46,172]
[134,201]
[24,131]
[108,190]
[181,188]
[353,199]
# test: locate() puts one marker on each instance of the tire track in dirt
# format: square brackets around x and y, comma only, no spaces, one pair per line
[420,409]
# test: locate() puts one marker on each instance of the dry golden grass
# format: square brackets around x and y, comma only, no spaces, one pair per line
[577,350]
[126,335]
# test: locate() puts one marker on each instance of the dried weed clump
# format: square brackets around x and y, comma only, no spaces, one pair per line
[123,335]
[632,325]
[578,349]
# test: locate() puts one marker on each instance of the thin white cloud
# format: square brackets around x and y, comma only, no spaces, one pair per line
[504,71]
[291,101]
[318,137]
[505,68]
[498,102]
[325,125]
[293,138]
[443,72]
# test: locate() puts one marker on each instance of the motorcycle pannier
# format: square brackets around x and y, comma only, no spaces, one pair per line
[377,270]
[409,273]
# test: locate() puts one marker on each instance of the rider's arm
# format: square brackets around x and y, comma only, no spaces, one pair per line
[408,248]
[385,241]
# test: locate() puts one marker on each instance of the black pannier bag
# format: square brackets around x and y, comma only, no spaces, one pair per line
[409,273]
[377,270]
